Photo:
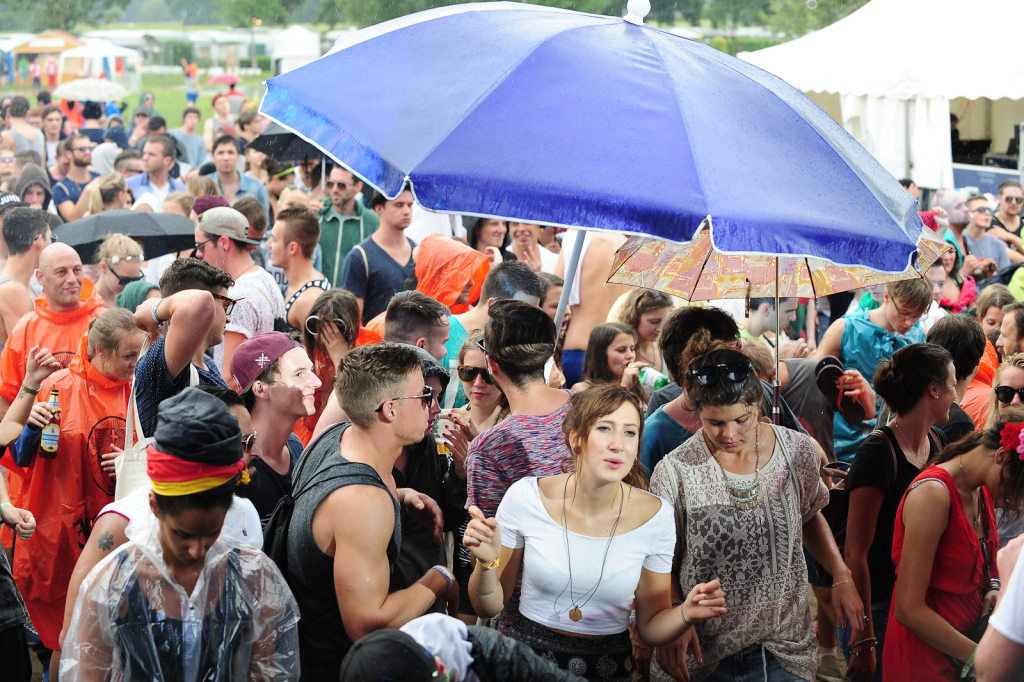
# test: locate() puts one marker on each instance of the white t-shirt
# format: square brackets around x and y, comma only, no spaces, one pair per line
[241,522]
[1008,619]
[545,597]
[254,314]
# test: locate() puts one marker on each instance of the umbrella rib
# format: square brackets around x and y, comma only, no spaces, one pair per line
[814,292]
[700,270]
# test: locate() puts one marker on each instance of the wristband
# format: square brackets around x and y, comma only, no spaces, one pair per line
[155,318]
[682,614]
[632,616]
[2,505]
[842,582]
[969,664]
[35,391]
[493,564]
[444,571]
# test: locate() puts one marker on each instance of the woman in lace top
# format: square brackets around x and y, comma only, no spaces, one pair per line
[747,496]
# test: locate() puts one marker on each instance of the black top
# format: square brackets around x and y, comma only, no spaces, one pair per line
[323,641]
[873,467]
[957,426]
[270,486]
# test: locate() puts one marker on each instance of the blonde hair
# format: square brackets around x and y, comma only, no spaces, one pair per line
[107,188]
[183,199]
[109,329]
[120,245]
[1015,360]
[197,187]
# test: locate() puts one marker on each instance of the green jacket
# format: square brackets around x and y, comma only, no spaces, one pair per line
[338,234]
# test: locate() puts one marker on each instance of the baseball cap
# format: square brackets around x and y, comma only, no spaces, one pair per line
[207,201]
[254,355]
[388,655]
[228,222]
[142,109]
[10,200]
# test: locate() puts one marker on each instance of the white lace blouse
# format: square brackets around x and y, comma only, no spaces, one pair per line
[757,553]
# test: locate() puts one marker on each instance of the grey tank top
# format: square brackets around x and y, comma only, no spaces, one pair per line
[323,642]
[38,143]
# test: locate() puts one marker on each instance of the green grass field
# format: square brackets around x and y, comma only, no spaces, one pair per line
[169,92]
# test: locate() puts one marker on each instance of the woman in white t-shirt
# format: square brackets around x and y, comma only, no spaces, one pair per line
[590,542]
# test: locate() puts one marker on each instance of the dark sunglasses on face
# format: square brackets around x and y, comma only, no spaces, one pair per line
[1004,394]
[710,374]
[249,443]
[427,397]
[981,209]
[469,374]
[125,281]
[340,185]
[1014,200]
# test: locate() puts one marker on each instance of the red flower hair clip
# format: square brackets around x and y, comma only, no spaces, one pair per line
[1012,438]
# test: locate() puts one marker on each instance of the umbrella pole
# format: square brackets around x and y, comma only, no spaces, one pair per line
[776,386]
[570,276]
[323,176]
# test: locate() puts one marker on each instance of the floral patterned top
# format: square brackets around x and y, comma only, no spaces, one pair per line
[757,553]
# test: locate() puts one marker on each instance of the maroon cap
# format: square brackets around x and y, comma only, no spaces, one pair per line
[207,201]
[253,356]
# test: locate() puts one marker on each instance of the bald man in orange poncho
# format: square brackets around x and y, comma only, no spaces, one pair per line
[60,317]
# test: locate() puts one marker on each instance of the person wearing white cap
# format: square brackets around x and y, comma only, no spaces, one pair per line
[222,240]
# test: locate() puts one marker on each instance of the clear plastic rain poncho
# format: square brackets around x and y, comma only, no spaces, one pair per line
[133,622]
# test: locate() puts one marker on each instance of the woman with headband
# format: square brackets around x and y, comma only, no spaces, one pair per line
[182,600]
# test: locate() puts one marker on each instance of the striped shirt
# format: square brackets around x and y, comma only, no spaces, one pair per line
[519,446]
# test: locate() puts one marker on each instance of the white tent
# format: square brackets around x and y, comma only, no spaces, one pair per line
[98,58]
[896,65]
[294,47]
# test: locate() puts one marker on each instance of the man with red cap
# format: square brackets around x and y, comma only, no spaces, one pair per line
[279,387]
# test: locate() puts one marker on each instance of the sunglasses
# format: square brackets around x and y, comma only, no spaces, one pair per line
[82,149]
[200,245]
[249,443]
[480,345]
[314,325]
[125,281]
[340,185]
[710,374]
[469,374]
[1004,394]
[1009,200]
[229,303]
[427,398]
[114,260]
[981,209]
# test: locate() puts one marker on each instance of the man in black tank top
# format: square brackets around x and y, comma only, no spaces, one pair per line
[345,531]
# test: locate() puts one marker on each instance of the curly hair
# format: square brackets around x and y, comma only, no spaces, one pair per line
[193,273]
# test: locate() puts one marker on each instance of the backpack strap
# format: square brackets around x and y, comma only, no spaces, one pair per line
[366,263]
[892,448]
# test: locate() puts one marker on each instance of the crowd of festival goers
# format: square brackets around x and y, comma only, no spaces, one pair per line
[341,438]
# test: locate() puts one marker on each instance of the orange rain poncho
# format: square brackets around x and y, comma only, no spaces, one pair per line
[66,493]
[61,334]
[443,266]
[978,399]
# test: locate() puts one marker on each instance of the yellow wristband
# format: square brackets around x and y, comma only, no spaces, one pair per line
[493,564]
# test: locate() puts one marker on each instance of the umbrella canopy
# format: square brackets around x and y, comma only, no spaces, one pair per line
[224,79]
[282,144]
[696,271]
[90,90]
[160,233]
[557,117]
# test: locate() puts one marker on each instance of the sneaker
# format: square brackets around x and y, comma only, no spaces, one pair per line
[828,666]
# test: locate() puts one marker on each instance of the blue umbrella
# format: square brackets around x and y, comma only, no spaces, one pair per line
[550,116]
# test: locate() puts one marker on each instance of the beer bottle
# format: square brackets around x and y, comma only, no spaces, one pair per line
[51,432]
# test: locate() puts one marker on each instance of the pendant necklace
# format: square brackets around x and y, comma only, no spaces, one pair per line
[964,477]
[907,443]
[744,496]
[576,612]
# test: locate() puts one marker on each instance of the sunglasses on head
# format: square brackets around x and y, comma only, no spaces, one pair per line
[1004,394]
[469,374]
[314,325]
[710,374]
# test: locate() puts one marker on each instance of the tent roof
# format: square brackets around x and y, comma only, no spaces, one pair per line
[296,41]
[48,42]
[98,48]
[903,49]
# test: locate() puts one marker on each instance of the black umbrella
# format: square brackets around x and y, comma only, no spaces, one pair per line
[161,233]
[279,143]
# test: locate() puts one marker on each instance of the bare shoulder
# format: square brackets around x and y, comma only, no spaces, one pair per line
[357,499]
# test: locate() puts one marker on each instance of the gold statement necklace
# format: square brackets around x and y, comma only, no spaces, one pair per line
[744,496]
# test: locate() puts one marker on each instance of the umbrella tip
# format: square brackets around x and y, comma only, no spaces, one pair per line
[636,10]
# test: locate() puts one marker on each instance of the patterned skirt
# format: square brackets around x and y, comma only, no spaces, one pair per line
[608,658]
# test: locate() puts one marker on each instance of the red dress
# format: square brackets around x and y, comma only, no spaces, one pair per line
[954,591]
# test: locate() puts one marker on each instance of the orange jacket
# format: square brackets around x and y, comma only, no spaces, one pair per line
[61,334]
[978,398]
[66,493]
[443,266]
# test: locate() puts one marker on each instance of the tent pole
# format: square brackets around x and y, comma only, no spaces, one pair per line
[776,386]
[906,136]
[570,276]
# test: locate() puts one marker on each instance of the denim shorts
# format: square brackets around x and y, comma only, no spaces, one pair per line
[753,664]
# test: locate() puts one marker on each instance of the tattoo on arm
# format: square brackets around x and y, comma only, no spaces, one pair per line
[105,542]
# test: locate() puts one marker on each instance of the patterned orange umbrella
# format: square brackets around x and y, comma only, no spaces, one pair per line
[696,271]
